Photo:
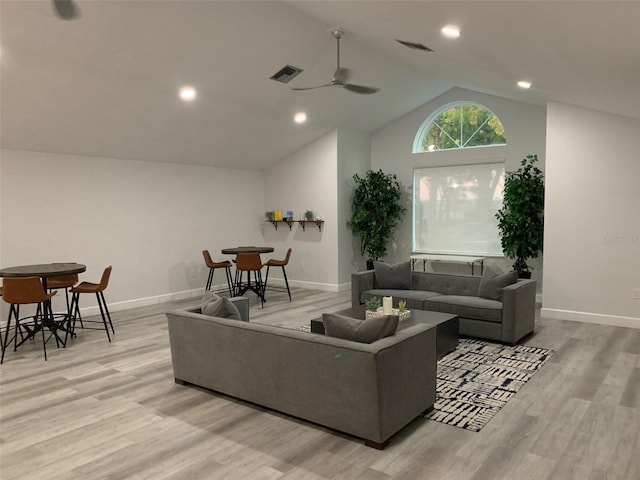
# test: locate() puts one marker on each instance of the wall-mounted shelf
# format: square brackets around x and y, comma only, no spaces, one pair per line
[276,222]
[319,223]
[290,223]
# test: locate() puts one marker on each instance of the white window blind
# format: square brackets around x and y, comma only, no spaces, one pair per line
[454,209]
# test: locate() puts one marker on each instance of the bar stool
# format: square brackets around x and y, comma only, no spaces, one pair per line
[98,289]
[212,266]
[27,291]
[249,262]
[279,263]
[63,282]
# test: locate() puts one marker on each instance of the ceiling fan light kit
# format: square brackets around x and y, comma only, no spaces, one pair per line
[341,75]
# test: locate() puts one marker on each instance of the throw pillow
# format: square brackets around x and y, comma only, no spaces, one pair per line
[491,284]
[395,277]
[217,306]
[363,331]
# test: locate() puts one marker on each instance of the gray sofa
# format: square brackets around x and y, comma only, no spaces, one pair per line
[506,320]
[367,390]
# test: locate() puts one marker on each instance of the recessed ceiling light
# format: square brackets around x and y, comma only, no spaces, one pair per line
[524,84]
[450,31]
[188,94]
[300,117]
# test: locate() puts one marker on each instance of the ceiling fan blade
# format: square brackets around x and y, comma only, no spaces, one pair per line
[66,9]
[362,89]
[313,88]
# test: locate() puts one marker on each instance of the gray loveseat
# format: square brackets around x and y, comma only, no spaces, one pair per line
[367,390]
[506,317]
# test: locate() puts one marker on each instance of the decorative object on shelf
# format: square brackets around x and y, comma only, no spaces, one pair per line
[269,216]
[289,216]
[308,215]
[277,215]
[521,218]
[375,212]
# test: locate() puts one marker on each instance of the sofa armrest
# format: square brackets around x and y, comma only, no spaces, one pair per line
[361,282]
[518,310]
[242,304]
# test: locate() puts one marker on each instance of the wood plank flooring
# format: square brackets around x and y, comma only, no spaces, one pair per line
[99,410]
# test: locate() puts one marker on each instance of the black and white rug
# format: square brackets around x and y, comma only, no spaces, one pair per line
[479,377]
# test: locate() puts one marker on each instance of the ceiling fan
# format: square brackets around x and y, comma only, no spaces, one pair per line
[341,75]
[66,9]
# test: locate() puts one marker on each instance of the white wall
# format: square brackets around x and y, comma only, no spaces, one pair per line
[391,150]
[151,221]
[354,156]
[592,216]
[305,180]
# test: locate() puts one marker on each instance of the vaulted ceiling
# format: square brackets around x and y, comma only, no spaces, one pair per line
[106,84]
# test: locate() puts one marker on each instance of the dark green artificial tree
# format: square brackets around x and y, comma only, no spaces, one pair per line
[375,212]
[521,218]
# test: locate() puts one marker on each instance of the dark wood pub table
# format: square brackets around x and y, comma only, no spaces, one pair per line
[447,326]
[257,287]
[236,250]
[44,271]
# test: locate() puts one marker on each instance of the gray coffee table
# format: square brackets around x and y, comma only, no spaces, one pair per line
[447,326]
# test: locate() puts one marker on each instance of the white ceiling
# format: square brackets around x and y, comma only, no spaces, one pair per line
[106,84]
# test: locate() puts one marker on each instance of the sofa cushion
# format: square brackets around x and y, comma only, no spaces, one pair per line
[363,331]
[217,306]
[492,283]
[445,283]
[467,307]
[396,276]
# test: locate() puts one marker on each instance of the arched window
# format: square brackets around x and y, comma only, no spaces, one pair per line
[459,125]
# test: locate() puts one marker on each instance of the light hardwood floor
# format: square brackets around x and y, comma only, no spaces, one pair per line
[112,411]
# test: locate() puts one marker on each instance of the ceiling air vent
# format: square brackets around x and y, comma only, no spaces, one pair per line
[416,46]
[286,73]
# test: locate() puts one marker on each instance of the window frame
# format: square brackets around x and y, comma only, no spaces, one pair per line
[426,125]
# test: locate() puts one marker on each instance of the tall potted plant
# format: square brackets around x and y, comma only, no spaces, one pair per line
[375,212]
[521,218]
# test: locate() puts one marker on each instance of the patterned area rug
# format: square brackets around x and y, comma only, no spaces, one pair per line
[479,377]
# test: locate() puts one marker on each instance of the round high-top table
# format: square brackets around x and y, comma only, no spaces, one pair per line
[43,270]
[236,250]
[257,287]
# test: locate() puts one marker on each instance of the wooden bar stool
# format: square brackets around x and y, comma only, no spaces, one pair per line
[26,291]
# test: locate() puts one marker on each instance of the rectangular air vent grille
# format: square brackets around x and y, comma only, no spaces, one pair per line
[286,73]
